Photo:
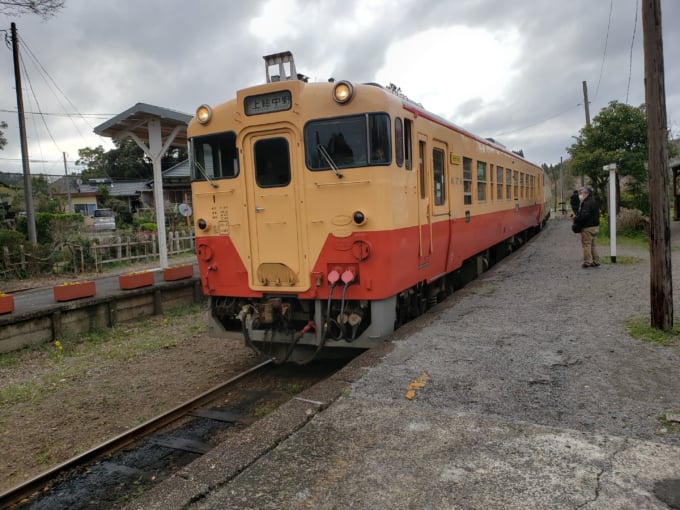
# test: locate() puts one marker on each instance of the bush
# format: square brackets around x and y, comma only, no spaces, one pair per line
[50,228]
[143,216]
[149,227]
[631,221]
[12,240]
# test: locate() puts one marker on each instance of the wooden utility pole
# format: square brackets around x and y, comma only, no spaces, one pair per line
[661,283]
[586,105]
[28,192]
[586,102]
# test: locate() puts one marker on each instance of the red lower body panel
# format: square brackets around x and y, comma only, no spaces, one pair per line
[383,263]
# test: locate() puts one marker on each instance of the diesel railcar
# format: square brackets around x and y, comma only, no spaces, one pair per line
[329,213]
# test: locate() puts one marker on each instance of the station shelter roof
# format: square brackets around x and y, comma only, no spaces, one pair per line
[135,120]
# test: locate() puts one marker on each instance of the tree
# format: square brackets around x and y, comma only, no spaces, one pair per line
[3,140]
[94,160]
[126,161]
[618,134]
[43,8]
[173,156]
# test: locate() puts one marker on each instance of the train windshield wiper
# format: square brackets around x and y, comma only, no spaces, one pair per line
[322,150]
[205,174]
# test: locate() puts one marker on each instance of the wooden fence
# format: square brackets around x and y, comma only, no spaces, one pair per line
[76,258]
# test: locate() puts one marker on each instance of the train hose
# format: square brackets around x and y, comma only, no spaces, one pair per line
[244,329]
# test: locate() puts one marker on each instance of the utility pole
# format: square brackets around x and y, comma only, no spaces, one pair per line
[585,102]
[68,185]
[661,283]
[28,192]
[586,105]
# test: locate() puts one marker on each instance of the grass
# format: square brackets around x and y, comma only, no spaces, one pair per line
[672,425]
[640,329]
[263,410]
[56,365]
[294,389]
[624,260]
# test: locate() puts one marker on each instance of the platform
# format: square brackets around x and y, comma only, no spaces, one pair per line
[521,391]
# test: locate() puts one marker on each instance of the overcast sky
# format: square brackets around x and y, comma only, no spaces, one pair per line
[511,70]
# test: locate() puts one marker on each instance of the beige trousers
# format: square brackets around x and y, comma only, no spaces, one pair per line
[588,236]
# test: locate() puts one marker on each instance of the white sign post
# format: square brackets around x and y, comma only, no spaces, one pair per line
[612,210]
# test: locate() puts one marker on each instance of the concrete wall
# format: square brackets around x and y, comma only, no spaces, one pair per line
[81,317]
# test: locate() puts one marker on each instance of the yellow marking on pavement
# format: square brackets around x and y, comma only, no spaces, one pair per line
[416,385]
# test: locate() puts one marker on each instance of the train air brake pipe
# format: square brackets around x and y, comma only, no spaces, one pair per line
[347,277]
[243,317]
[333,278]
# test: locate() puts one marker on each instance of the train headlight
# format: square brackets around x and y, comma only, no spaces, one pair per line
[343,92]
[203,114]
[202,224]
[359,217]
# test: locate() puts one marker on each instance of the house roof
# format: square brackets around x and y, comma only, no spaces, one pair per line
[116,188]
[180,170]
[135,120]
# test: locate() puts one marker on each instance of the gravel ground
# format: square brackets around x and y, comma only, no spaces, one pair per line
[554,349]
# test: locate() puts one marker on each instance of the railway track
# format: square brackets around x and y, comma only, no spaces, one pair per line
[35,492]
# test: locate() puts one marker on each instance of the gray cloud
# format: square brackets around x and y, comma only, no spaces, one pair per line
[107,56]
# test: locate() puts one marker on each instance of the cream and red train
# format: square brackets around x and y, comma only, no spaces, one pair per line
[329,213]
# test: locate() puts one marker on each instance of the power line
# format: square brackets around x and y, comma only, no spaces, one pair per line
[604,53]
[93,115]
[35,98]
[630,64]
[539,122]
[48,79]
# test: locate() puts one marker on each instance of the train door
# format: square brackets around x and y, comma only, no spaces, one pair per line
[424,205]
[275,235]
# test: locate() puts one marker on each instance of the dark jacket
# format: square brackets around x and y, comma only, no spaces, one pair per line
[589,213]
[575,202]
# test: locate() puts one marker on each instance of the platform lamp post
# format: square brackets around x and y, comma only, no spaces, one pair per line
[612,210]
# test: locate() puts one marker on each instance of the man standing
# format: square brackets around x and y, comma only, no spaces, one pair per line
[588,219]
[575,201]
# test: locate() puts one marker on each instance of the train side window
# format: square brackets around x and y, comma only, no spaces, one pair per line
[467,180]
[421,159]
[481,181]
[491,175]
[408,148]
[514,183]
[521,185]
[398,142]
[499,182]
[438,176]
[508,184]
[379,131]
[272,162]
[214,156]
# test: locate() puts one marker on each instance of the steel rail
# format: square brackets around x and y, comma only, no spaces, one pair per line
[26,489]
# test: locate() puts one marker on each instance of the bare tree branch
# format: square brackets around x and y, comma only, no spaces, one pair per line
[43,8]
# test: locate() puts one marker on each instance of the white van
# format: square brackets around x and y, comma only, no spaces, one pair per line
[104,219]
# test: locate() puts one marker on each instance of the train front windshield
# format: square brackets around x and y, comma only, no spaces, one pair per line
[354,141]
[214,156]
